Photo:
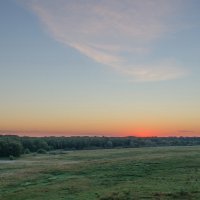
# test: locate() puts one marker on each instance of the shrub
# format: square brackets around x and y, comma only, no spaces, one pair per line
[14,149]
[27,151]
[11,157]
[41,151]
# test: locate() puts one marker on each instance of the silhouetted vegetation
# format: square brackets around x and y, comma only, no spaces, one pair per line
[15,145]
[41,151]
[10,147]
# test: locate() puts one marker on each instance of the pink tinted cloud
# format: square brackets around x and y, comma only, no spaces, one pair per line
[108,31]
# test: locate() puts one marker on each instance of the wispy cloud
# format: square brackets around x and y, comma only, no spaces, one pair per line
[186,131]
[114,32]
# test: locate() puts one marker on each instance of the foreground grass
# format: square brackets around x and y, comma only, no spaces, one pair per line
[115,174]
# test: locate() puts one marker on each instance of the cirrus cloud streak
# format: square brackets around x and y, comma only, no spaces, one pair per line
[115,32]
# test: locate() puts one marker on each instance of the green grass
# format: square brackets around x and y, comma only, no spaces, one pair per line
[115,174]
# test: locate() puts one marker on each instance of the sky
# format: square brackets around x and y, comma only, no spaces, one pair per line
[104,68]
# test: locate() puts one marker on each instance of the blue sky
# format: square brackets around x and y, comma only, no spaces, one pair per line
[108,67]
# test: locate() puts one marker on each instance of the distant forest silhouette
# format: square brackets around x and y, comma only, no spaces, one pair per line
[12,145]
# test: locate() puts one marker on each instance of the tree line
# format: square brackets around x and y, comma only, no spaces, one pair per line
[12,145]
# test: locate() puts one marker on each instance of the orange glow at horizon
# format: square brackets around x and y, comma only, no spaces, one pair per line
[99,123]
[113,131]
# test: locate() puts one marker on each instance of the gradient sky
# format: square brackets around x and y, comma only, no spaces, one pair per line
[90,67]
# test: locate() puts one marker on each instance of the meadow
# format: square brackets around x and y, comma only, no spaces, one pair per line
[106,174]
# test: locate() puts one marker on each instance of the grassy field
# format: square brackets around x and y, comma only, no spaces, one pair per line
[114,174]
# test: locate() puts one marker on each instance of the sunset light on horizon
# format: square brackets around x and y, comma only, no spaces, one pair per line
[100,68]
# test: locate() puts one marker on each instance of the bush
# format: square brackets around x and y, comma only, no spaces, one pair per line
[41,151]
[11,157]
[27,151]
[10,148]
